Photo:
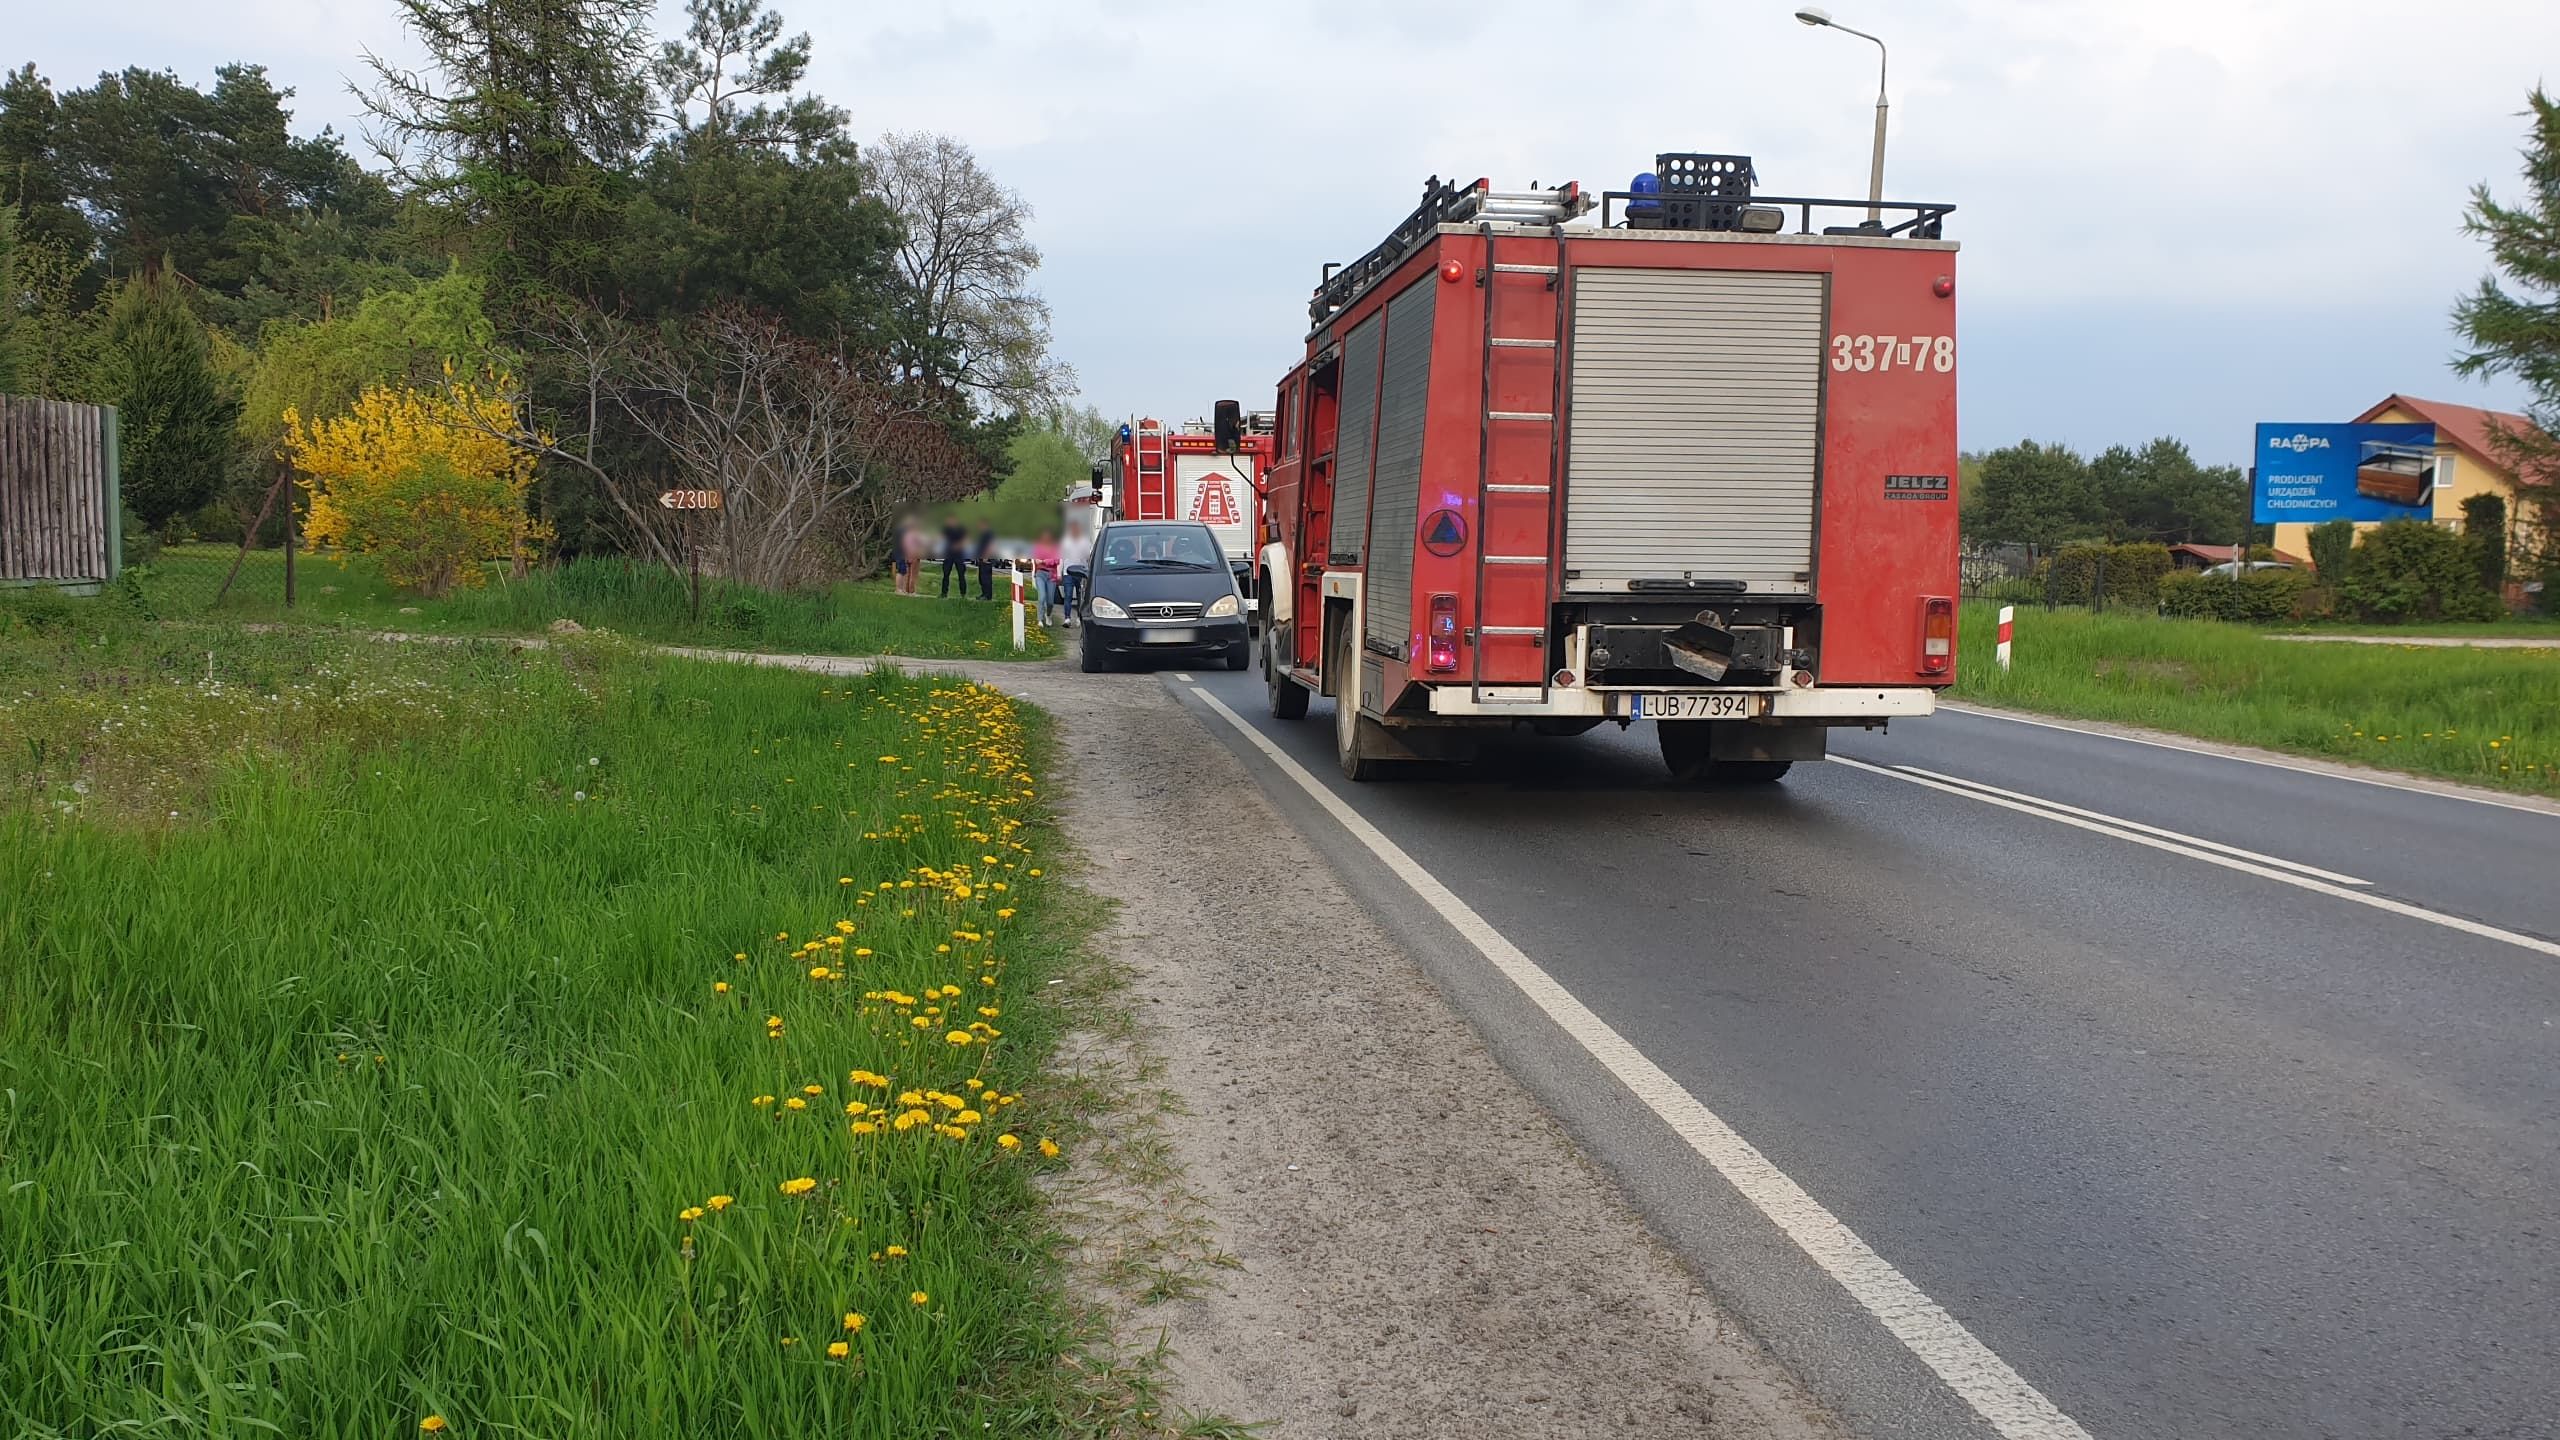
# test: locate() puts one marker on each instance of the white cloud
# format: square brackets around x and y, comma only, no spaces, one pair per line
[2219,168]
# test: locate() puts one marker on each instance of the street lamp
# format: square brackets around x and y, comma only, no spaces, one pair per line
[1815,15]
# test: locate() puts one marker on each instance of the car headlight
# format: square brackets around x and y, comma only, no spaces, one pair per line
[1108,610]
[1220,608]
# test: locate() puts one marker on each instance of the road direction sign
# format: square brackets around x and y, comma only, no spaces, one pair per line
[690,500]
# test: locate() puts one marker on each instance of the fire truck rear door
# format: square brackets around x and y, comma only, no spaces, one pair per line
[1695,429]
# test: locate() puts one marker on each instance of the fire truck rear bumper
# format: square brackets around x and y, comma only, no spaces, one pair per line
[1820,704]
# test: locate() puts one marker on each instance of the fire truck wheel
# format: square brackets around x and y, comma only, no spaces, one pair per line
[1356,738]
[1288,697]
[1684,749]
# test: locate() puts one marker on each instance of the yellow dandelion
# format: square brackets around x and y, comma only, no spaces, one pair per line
[853,1322]
[689,1214]
[839,1350]
[432,1425]
[865,1127]
[918,1297]
[801,1186]
[1009,1141]
[761,1101]
[795,1103]
[1049,1147]
[721,1202]
[719,987]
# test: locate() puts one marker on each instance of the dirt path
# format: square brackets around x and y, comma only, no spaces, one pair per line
[2433,642]
[1417,1249]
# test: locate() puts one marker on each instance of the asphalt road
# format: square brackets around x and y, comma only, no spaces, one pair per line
[2195,1141]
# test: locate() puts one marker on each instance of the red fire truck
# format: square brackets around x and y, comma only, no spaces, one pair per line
[1689,461]
[1212,471]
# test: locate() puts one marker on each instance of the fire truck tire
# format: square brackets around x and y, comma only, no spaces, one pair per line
[1684,750]
[1288,697]
[1356,739]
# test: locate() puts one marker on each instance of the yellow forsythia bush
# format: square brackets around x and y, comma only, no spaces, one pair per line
[425,481]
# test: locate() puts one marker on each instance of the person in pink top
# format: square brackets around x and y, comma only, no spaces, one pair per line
[1044,572]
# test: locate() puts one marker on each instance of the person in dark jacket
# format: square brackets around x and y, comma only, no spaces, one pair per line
[986,564]
[955,557]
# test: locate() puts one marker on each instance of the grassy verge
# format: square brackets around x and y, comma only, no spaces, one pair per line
[866,618]
[2491,717]
[2545,628]
[566,1043]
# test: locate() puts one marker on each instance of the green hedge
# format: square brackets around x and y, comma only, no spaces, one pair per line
[2411,570]
[2132,573]
[2260,597]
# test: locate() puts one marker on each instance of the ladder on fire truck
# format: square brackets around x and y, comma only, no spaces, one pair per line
[1519,452]
[1153,497]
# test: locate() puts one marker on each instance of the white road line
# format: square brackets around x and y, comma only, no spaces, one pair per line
[2000,1395]
[2318,771]
[2534,943]
[2121,823]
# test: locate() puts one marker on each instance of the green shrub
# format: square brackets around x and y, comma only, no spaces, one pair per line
[2484,533]
[2021,590]
[2258,597]
[2131,574]
[2412,570]
[2333,550]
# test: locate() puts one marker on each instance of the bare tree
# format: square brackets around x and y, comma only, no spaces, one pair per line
[976,326]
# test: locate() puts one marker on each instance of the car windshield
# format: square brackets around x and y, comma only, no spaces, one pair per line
[1153,547]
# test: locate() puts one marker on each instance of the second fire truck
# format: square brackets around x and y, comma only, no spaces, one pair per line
[1693,464]
[1212,471]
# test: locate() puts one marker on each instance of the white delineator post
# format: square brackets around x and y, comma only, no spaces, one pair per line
[2008,617]
[1018,641]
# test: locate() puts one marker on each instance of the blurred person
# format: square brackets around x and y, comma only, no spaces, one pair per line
[902,557]
[955,556]
[986,564]
[1044,573]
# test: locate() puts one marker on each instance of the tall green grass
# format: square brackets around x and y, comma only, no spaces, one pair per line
[599,592]
[2488,716]
[369,1025]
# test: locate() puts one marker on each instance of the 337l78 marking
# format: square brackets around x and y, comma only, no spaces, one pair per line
[1893,352]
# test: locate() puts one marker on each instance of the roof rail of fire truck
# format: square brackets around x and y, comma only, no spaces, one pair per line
[1443,204]
[1923,219]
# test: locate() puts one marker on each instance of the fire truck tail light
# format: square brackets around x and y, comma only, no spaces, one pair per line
[1937,635]
[1444,634]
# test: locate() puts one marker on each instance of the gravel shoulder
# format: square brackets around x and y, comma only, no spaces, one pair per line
[1413,1245]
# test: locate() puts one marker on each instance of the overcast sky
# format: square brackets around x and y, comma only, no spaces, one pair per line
[2178,216]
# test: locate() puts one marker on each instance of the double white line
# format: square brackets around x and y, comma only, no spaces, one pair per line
[2211,852]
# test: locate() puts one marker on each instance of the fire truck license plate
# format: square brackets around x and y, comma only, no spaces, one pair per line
[1694,707]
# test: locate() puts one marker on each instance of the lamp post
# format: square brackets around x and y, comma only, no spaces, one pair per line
[1814,15]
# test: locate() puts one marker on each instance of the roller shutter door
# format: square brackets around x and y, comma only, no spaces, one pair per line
[1695,430]
[1352,438]
[1388,596]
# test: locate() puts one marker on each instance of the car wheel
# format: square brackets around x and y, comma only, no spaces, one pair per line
[1239,655]
[1090,656]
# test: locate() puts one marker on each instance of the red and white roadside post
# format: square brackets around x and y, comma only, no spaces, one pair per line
[1015,570]
[2008,618]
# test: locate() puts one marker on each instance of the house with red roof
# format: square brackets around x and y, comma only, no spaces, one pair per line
[2468,461]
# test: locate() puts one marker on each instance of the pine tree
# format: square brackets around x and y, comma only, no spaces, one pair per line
[523,126]
[2517,331]
[176,416]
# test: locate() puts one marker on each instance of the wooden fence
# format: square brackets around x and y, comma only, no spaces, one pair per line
[61,503]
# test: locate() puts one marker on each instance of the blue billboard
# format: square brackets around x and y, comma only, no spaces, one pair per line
[2310,473]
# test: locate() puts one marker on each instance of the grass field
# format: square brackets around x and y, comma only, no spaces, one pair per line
[868,618]
[568,1043]
[2487,716]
